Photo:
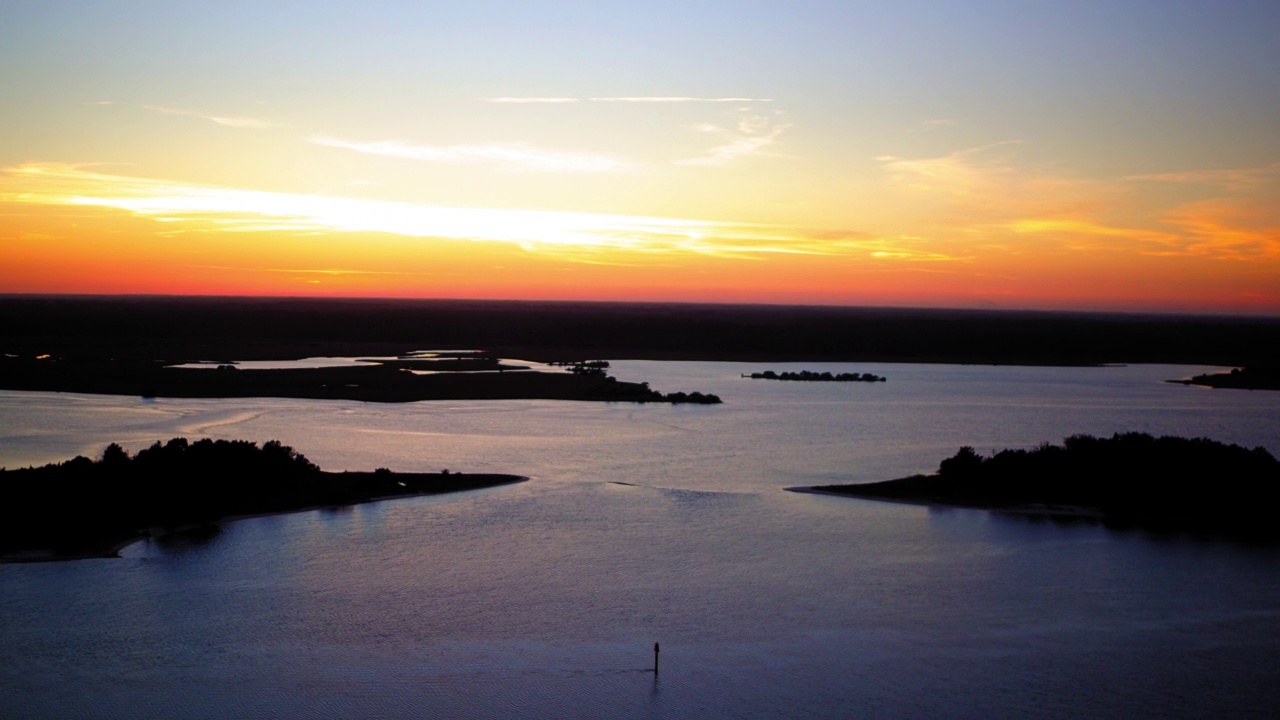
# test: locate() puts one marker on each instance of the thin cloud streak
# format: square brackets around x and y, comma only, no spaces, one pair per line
[577,237]
[1236,179]
[658,99]
[531,100]
[515,155]
[680,99]
[235,122]
[312,271]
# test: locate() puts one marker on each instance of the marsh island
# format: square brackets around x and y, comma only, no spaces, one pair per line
[397,379]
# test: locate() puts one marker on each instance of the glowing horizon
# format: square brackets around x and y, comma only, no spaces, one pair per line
[708,177]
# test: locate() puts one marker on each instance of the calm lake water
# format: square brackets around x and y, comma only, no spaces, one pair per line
[656,523]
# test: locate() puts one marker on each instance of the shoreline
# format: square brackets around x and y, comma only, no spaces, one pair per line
[1130,480]
[112,550]
[1247,378]
[1034,510]
[385,383]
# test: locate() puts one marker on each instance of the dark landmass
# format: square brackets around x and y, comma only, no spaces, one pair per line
[386,381]
[85,508]
[450,364]
[1128,480]
[187,328]
[1249,378]
[810,376]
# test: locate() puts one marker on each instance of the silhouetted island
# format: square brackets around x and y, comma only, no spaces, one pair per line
[1129,479]
[1249,378]
[393,380]
[811,376]
[86,508]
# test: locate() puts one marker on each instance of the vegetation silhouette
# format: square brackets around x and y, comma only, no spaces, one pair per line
[1130,479]
[83,507]
[397,380]
[1248,378]
[811,376]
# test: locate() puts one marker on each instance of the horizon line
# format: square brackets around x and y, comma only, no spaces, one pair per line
[1222,314]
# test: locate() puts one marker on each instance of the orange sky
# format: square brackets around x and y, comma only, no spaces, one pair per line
[935,163]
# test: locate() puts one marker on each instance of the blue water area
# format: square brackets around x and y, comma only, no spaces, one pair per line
[647,523]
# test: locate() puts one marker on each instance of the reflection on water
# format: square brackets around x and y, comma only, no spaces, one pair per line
[300,364]
[184,539]
[657,523]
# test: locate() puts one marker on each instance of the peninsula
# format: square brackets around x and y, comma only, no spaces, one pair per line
[86,508]
[1127,480]
[1248,378]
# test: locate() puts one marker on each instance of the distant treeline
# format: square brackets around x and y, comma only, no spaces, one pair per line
[810,376]
[83,505]
[1127,479]
[273,328]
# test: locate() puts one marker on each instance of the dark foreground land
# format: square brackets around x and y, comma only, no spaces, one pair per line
[1127,480]
[84,508]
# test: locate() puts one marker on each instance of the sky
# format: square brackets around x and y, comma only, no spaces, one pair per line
[1041,154]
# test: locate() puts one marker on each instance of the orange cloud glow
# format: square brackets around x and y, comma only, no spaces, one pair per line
[71,229]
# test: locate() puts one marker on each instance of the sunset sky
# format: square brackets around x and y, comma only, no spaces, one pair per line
[1117,155]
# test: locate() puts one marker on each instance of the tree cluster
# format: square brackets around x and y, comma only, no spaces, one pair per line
[611,389]
[82,502]
[811,376]
[1129,477]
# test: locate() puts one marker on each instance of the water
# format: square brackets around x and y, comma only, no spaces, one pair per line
[544,599]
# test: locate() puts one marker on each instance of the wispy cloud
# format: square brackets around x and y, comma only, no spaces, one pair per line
[1236,179]
[1208,229]
[1218,229]
[982,197]
[680,99]
[310,271]
[651,99]
[1085,228]
[752,134]
[226,121]
[1228,228]
[519,156]
[578,237]
[958,173]
[531,100]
